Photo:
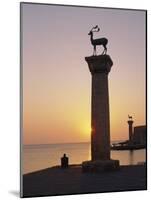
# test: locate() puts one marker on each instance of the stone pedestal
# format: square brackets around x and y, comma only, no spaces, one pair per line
[100,166]
[100,67]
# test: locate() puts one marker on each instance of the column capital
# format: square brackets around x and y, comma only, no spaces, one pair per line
[130,121]
[99,64]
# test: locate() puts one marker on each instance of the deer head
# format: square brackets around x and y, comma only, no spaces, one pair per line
[94,29]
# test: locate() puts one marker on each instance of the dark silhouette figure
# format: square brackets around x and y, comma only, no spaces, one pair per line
[100,41]
[64,161]
[130,117]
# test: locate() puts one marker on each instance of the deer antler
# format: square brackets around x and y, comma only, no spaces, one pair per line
[129,116]
[98,29]
[94,27]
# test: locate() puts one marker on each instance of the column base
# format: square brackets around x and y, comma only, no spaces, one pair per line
[100,165]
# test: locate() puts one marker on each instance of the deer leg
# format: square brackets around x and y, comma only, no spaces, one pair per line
[105,49]
[103,52]
[94,51]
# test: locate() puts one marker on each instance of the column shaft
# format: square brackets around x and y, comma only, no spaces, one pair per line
[100,123]
[130,124]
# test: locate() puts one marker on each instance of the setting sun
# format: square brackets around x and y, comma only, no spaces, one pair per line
[86,129]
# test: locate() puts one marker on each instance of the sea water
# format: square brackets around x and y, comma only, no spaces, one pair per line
[37,157]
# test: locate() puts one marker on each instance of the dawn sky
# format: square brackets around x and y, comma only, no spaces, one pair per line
[56,79]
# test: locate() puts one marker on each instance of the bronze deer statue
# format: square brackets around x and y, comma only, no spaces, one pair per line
[130,117]
[99,41]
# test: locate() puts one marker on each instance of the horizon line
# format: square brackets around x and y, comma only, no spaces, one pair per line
[65,143]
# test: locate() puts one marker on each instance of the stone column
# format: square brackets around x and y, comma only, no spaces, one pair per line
[130,127]
[99,67]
